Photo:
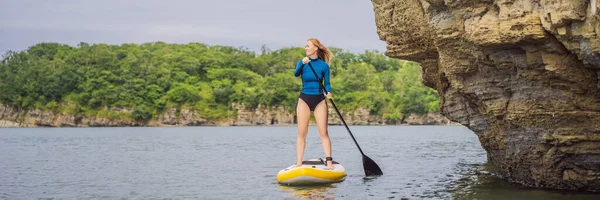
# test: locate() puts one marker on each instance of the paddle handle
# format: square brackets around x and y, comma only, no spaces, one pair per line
[344,122]
[336,109]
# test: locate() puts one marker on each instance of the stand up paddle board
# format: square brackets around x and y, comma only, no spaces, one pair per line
[313,171]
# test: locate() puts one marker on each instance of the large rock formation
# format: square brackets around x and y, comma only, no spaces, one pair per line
[522,74]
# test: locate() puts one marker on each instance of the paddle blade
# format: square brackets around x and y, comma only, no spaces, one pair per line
[371,168]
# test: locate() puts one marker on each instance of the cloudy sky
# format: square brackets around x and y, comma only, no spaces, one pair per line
[347,24]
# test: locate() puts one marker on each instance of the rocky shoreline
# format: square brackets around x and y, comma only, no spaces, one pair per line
[274,116]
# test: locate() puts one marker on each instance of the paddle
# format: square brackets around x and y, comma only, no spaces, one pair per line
[371,168]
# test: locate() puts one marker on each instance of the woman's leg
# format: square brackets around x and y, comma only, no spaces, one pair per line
[303,115]
[321,118]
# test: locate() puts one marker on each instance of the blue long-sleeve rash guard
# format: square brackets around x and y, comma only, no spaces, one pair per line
[310,84]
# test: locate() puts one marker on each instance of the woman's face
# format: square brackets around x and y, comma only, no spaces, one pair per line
[310,48]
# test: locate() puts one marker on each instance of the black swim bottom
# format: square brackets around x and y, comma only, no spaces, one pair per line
[312,100]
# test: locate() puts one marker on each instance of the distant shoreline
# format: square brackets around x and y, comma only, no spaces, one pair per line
[176,126]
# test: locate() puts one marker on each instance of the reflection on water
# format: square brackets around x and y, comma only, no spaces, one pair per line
[325,192]
[478,182]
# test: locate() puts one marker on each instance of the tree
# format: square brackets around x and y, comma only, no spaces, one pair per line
[150,78]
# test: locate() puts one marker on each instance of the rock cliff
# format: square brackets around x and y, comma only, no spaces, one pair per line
[522,74]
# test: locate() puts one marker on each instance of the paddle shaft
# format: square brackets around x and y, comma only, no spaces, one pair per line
[335,107]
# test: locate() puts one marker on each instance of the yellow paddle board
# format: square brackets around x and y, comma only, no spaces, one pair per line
[313,171]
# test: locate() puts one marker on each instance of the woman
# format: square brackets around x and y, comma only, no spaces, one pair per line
[312,97]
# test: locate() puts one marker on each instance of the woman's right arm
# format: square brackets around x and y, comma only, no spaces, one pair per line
[299,67]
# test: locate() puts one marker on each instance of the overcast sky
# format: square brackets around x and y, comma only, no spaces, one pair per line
[346,24]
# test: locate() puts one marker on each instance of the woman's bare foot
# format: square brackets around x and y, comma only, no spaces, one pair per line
[296,165]
[330,164]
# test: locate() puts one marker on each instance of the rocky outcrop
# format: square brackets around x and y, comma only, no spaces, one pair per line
[522,74]
[428,119]
[361,116]
[261,116]
[10,117]
[185,118]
